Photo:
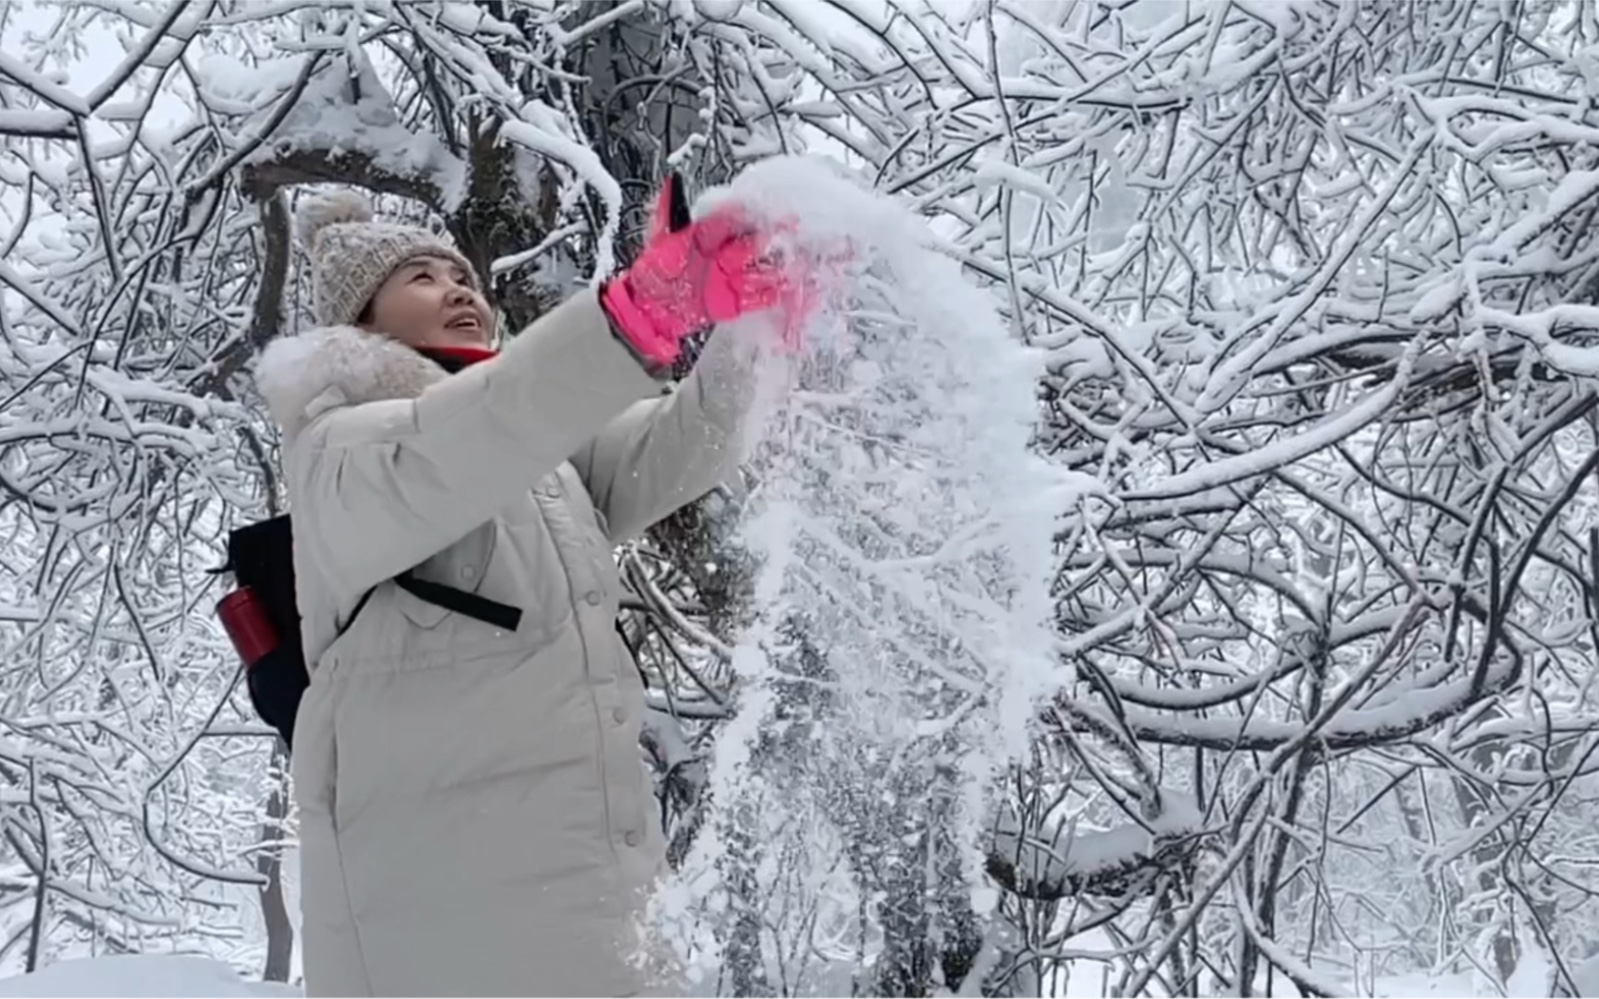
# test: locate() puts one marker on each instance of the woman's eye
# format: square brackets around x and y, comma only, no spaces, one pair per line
[423,276]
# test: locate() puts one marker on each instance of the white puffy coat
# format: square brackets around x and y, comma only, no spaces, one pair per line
[474,815]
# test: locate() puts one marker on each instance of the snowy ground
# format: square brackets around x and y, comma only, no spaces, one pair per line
[139,976]
[161,976]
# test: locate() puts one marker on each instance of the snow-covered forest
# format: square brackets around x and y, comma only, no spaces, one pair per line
[1315,287]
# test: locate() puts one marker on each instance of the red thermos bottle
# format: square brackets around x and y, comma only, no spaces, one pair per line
[248,627]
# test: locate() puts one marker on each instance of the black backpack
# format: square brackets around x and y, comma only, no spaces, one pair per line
[262,617]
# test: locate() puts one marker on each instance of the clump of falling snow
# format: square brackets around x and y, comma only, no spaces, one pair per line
[902,529]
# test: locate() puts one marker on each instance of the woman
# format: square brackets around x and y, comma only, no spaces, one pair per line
[474,815]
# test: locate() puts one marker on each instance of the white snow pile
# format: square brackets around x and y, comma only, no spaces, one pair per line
[903,530]
[138,975]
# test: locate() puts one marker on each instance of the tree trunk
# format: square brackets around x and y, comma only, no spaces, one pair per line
[269,862]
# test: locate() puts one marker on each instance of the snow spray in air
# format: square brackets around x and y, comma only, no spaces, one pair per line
[902,531]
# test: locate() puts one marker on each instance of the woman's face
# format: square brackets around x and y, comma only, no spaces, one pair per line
[430,302]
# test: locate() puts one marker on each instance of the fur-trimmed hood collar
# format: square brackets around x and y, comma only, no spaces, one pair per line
[296,371]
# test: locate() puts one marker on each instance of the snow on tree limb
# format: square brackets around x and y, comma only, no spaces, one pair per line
[342,128]
[1120,862]
[48,124]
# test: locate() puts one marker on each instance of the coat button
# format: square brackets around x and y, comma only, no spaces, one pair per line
[619,715]
[594,597]
[552,492]
[467,571]
[631,839]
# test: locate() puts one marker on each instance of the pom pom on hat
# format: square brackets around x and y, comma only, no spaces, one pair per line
[352,253]
[318,211]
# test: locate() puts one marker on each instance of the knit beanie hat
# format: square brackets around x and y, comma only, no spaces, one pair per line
[352,254]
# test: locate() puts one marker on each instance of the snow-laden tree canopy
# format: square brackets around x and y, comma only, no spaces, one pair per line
[1316,287]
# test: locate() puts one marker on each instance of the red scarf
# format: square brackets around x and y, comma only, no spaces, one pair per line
[455,358]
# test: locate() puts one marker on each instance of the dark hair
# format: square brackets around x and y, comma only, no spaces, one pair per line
[366,314]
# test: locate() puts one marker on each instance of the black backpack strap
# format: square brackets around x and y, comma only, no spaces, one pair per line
[483,609]
[490,612]
[360,605]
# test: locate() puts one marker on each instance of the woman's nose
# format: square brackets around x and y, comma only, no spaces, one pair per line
[459,294]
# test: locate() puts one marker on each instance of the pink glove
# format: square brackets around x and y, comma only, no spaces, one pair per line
[692,274]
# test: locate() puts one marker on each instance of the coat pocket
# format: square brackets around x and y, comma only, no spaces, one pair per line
[462,566]
[411,634]
[419,612]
